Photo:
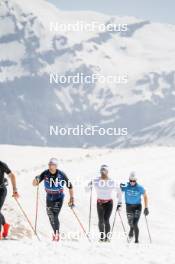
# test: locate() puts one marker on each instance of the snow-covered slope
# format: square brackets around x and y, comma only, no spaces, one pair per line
[30,51]
[147,162]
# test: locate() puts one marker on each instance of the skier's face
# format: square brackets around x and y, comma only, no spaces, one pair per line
[104,173]
[52,168]
[132,182]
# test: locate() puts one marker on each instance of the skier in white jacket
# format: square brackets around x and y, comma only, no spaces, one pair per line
[105,187]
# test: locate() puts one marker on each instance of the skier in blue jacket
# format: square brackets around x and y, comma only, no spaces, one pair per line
[54,181]
[133,193]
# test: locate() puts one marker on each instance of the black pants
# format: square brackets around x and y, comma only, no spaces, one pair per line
[53,209]
[133,215]
[104,212]
[3,194]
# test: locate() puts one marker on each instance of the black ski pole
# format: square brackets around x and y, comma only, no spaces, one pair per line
[124,229]
[90,209]
[147,226]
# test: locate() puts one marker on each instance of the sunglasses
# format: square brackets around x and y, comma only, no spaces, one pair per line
[103,170]
[133,181]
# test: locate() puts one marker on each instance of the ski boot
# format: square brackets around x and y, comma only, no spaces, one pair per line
[107,240]
[5,230]
[56,237]
[101,240]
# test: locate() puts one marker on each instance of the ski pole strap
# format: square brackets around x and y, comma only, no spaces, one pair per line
[26,217]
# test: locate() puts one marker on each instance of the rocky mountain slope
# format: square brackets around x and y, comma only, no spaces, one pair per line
[29,52]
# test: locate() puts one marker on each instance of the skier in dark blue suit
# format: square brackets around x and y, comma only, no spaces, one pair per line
[54,182]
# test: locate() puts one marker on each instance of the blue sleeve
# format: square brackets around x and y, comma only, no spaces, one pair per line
[142,190]
[123,187]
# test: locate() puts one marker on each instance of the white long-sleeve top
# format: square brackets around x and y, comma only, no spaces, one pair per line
[105,189]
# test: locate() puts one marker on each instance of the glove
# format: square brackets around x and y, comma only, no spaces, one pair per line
[36,181]
[71,202]
[37,178]
[146,211]
[119,206]
[15,194]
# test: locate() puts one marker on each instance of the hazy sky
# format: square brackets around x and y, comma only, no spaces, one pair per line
[154,10]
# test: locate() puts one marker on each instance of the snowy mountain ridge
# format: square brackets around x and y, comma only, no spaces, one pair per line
[30,52]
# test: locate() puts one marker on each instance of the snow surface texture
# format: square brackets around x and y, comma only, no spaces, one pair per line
[155,170]
[29,52]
